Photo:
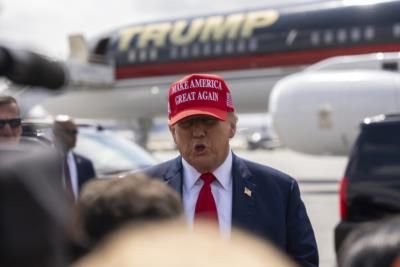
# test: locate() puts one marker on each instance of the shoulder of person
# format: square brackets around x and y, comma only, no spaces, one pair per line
[159,169]
[80,158]
[264,172]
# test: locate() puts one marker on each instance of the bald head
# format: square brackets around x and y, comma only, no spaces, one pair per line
[65,132]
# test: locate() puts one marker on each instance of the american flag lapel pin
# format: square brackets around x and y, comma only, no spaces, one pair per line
[247,192]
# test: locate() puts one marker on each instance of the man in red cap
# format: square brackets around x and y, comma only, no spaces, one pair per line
[216,184]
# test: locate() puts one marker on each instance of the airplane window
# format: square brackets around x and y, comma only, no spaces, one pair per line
[132,55]
[218,48]
[229,47]
[342,36]
[393,66]
[369,33]
[241,46]
[355,34]
[153,54]
[253,45]
[396,30]
[195,50]
[173,53]
[328,37]
[185,51]
[315,39]
[206,49]
[142,55]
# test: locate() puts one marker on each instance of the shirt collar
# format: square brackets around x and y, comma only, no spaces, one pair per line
[69,156]
[223,173]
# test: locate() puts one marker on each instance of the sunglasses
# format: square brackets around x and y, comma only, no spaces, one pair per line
[14,123]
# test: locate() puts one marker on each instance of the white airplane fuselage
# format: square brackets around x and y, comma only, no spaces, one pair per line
[250,90]
[251,49]
[318,111]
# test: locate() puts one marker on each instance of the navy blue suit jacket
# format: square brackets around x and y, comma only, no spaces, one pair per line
[84,168]
[273,211]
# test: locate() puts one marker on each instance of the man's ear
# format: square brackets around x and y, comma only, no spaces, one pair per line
[233,130]
[172,130]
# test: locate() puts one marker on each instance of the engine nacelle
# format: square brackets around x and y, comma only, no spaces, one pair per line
[319,112]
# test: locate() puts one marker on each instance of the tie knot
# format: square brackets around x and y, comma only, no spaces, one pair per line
[208,178]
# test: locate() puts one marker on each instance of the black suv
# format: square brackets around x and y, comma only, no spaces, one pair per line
[370,188]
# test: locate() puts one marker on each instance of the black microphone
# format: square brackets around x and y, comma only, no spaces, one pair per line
[28,68]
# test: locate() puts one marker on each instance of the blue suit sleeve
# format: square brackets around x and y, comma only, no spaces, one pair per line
[300,234]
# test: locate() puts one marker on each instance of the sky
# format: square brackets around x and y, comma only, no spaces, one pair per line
[44,25]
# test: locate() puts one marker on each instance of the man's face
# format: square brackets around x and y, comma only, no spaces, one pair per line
[203,141]
[65,133]
[10,124]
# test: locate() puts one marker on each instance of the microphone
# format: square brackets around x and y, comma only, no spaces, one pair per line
[28,68]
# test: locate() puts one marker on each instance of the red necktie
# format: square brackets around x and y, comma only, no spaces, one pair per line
[205,206]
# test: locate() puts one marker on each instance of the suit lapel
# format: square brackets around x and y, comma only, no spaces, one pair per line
[79,174]
[243,193]
[173,175]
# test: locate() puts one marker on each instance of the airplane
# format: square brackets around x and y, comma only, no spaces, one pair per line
[318,111]
[251,49]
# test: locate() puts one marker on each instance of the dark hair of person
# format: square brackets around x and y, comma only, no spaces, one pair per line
[106,204]
[373,245]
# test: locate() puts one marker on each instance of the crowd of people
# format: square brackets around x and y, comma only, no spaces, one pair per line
[206,207]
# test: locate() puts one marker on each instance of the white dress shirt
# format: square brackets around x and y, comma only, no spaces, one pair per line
[73,173]
[221,189]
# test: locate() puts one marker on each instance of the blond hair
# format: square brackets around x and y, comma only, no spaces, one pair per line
[172,244]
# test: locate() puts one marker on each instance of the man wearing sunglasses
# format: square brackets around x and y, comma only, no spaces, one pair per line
[10,121]
[76,169]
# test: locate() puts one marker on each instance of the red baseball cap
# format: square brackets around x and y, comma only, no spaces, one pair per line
[199,94]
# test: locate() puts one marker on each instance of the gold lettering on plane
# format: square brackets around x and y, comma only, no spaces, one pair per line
[154,33]
[126,36]
[217,27]
[258,19]
[206,29]
[179,37]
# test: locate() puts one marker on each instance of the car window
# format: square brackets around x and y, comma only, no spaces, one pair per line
[379,152]
[110,153]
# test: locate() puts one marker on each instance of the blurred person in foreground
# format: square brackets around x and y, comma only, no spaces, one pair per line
[172,244]
[10,121]
[34,214]
[76,169]
[217,184]
[107,204]
[396,262]
[375,244]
